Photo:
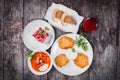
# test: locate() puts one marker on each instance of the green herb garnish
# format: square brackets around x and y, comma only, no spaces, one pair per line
[80,41]
[73,50]
[84,46]
[30,55]
[41,32]
[47,28]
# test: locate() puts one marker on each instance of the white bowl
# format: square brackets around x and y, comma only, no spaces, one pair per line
[39,73]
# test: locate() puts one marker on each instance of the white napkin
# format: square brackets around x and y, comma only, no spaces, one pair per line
[57,24]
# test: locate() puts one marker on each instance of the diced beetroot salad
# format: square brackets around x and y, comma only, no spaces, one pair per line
[40,35]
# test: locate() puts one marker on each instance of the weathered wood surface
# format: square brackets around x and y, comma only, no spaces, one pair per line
[1,39]
[15,14]
[12,51]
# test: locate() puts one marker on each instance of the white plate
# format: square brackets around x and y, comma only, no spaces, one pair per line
[35,72]
[57,24]
[71,69]
[30,42]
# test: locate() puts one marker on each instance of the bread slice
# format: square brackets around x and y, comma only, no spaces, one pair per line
[67,19]
[57,14]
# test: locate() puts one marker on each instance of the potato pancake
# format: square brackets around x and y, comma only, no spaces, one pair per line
[81,60]
[61,60]
[66,42]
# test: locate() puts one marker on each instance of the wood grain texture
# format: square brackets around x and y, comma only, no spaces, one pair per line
[118,56]
[118,44]
[1,39]
[33,9]
[104,40]
[13,67]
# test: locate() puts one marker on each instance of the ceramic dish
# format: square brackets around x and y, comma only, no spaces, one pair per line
[67,27]
[35,41]
[31,61]
[70,68]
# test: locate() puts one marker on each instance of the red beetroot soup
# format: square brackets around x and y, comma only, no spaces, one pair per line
[39,60]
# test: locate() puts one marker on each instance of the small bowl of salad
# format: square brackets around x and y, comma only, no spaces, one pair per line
[39,62]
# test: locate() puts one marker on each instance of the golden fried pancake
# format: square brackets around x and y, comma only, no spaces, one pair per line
[67,19]
[81,60]
[66,42]
[61,60]
[57,14]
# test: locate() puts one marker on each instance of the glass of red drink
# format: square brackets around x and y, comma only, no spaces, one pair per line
[90,24]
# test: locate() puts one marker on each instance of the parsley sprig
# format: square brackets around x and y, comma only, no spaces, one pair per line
[73,50]
[47,28]
[30,56]
[80,41]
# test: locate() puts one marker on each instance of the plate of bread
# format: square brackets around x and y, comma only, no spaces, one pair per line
[63,18]
[72,54]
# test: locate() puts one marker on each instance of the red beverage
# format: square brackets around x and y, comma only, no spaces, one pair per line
[90,24]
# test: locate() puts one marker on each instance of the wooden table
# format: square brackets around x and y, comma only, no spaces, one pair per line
[15,14]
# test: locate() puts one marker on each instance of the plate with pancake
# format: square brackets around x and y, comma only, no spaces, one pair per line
[72,54]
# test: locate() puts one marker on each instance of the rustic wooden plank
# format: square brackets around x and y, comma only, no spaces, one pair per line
[118,56]
[118,44]
[1,38]
[13,10]
[33,9]
[82,7]
[118,61]
[104,40]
